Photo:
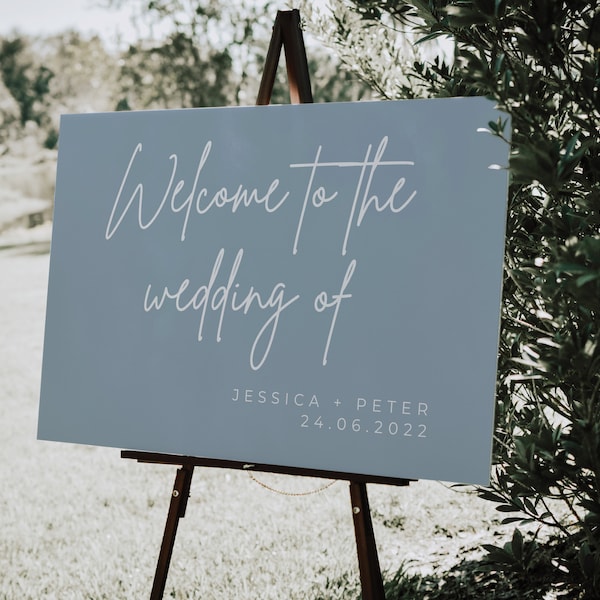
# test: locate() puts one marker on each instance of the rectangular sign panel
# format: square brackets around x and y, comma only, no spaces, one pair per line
[311,286]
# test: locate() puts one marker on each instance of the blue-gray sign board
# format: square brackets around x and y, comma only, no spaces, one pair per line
[312,286]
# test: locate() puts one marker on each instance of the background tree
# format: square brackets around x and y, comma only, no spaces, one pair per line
[539,60]
[86,73]
[175,74]
[28,82]
[211,53]
[49,76]
[183,60]
[9,116]
[86,76]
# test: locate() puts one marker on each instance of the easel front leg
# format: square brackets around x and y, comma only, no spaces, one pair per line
[179,498]
[368,561]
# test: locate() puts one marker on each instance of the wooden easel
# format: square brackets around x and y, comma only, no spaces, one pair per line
[286,33]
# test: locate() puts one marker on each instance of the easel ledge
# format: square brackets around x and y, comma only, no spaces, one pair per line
[194,461]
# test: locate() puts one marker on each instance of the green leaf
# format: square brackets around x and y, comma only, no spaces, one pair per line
[581,281]
[516,545]
[507,508]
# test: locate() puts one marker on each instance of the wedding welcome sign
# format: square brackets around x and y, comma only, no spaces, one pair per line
[312,286]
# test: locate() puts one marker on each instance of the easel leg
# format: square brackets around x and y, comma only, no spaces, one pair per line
[368,561]
[179,498]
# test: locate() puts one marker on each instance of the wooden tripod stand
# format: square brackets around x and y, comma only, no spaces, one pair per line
[368,561]
[286,33]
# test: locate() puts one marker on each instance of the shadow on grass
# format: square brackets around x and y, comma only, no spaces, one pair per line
[467,580]
[26,249]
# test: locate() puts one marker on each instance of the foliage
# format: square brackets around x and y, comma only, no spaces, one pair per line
[516,555]
[9,115]
[211,53]
[175,74]
[376,52]
[200,59]
[49,76]
[539,60]
[28,83]
[85,70]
